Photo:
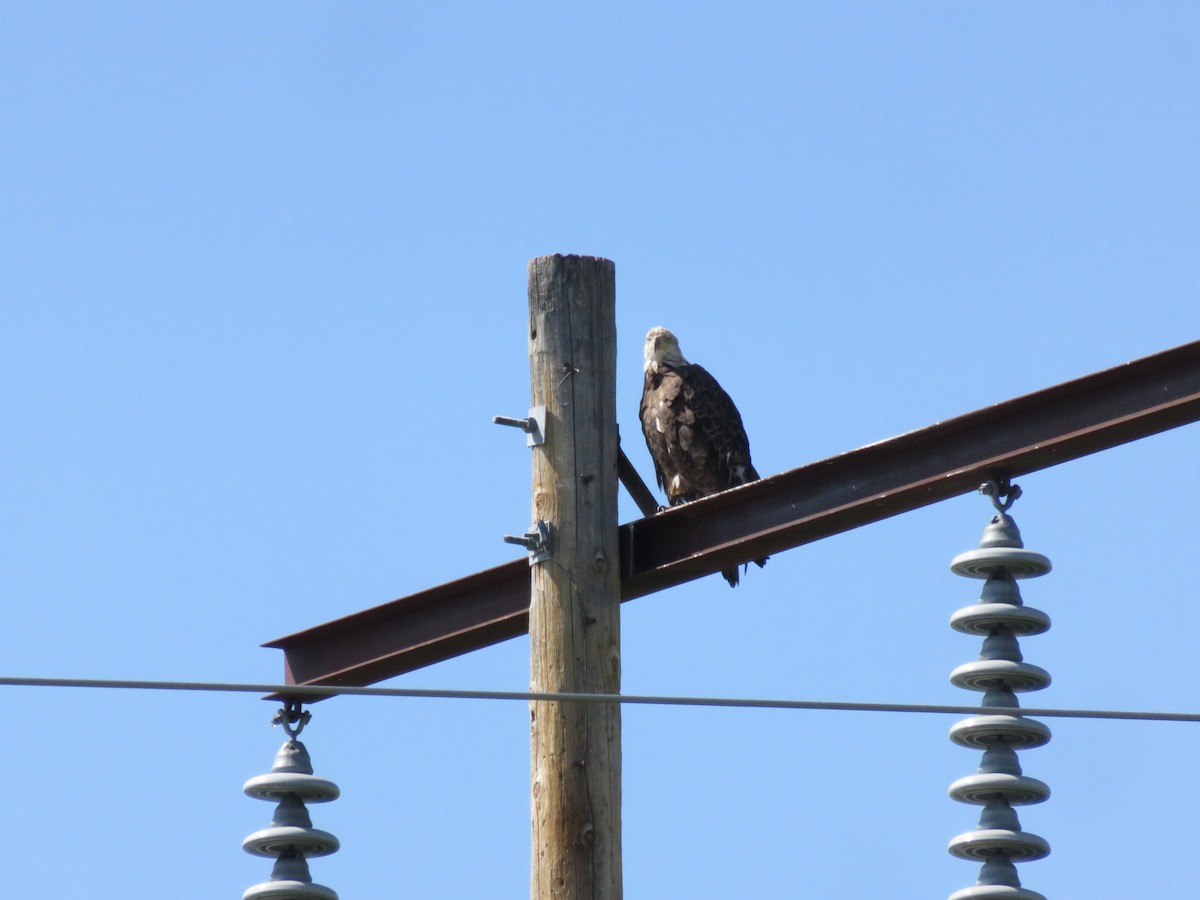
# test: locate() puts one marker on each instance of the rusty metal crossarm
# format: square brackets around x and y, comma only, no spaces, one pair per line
[415,631]
[1009,439]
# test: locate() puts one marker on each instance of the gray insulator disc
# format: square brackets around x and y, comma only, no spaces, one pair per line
[980,732]
[278,840]
[996,892]
[1018,790]
[989,673]
[983,617]
[1020,846]
[278,785]
[988,561]
[289,890]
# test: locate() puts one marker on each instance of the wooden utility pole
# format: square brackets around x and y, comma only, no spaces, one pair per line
[574,612]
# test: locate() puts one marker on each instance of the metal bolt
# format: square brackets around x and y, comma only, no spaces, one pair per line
[536,541]
[534,426]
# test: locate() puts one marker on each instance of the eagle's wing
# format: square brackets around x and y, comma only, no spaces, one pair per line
[721,423]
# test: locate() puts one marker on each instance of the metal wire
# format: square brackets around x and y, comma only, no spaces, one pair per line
[314,692]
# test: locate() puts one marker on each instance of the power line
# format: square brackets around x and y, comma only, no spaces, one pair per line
[324,691]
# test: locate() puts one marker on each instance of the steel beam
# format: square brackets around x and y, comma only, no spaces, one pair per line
[1007,440]
[414,631]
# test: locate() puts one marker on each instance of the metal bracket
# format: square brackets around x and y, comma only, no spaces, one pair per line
[292,717]
[536,541]
[994,490]
[534,426]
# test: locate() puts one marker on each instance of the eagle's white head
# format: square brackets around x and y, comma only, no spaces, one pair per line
[662,349]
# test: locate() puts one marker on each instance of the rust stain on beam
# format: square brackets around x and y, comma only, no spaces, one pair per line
[1009,439]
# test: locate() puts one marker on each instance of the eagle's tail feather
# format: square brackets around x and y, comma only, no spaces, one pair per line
[732,575]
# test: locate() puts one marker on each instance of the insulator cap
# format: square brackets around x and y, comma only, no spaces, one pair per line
[1000,759]
[983,674]
[987,562]
[996,892]
[284,839]
[278,785]
[1019,846]
[289,890]
[984,618]
[1018,790]
[293,757]
[980,732]
[997,881]
[1001,531]
[1001,588]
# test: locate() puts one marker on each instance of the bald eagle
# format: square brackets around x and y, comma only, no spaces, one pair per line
[693,430]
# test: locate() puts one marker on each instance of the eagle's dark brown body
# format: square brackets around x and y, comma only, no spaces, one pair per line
[693,431]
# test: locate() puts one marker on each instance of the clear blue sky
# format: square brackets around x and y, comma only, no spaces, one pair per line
[264,287]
